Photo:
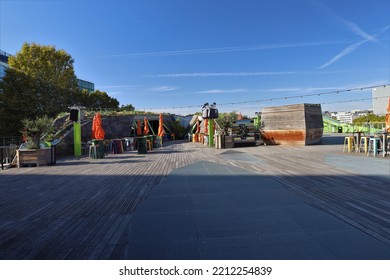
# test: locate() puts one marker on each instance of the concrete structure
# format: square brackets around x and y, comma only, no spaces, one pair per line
[379,100]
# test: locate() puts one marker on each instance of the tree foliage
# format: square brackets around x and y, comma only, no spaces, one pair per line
[225,120]
[40,81]
[35,129]
[97,99]
[177,129]
[127,107]
[369,118]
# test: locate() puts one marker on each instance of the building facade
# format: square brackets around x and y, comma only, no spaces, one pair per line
[85,85]
[380,95]
[344,117]
[3,63]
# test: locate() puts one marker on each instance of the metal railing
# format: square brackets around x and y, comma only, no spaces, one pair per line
[10,140]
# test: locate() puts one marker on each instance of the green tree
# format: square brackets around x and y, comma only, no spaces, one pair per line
[225,120]
[40,81]
[127,107]
[97,99]
[177,129]
[35,129]
[369,118]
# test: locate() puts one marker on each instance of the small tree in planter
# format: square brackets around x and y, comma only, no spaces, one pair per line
[36,129]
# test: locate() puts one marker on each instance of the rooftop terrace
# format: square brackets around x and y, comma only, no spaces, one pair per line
[188,201]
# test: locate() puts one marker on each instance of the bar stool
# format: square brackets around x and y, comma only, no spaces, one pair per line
[107,146]
[349,143]
[160,141]
[373,146]
[363,144]
[94,150]
[388,144]
[149,145]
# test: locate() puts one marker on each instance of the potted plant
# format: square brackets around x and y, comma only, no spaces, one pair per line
[35,131]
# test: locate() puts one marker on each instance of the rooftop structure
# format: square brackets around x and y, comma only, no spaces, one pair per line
[298,124]
[379,100]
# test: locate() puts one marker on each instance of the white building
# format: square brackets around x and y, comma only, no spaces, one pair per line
[344,117]
[380,96]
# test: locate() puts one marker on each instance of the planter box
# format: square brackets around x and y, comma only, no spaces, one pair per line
[33,156]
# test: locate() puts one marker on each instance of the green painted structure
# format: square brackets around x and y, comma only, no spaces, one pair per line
[211,133]
[334,126]
[77,137]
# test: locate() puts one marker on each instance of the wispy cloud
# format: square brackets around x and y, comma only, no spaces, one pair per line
[223,49]
[163,88]
[301,89]
[305,90]
[263,73]
[221,74]
[216,91]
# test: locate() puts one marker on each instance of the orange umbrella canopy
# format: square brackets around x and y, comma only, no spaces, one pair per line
[161,131]
[97,128]
[206,126]
[388,116]
[197,127]
[146,126]
[139,130]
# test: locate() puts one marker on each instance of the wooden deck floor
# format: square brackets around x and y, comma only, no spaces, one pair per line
[81,209]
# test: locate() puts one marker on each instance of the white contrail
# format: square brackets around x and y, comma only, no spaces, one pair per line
[344,52]
[353,47]
[357,30]
[220,74]
[216,91]
[163,88]
[222,49]
[353,28]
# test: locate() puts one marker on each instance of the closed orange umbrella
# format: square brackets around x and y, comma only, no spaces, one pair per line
[146,126]
[206,126]
[139,130]
[197,127]
[388,116]
[97,128]
[161,131]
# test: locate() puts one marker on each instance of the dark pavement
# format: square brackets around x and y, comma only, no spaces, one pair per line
[209,210]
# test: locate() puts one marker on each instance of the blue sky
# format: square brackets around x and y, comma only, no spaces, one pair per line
[175,55]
